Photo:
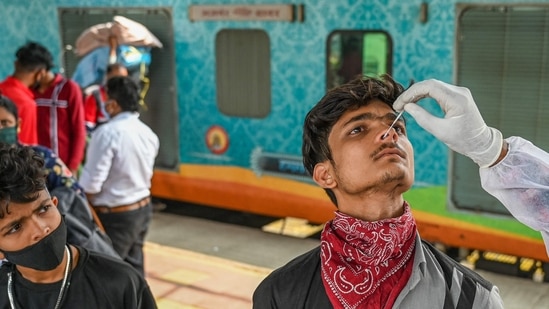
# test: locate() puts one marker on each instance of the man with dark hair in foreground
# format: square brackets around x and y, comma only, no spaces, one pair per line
[43,270]
[371,254]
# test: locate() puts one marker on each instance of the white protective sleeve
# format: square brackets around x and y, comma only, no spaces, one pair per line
[521,183]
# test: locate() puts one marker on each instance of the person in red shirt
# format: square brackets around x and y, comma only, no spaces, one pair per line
[30,69]
[94,106]
[60,115]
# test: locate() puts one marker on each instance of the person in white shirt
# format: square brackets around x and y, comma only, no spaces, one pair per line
[118,170]
[513,170]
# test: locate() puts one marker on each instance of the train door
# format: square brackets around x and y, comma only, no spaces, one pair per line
[161,112]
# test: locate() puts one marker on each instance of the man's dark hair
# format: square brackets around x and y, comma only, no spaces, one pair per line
[322,117]
[33,56]
[22,175]
[8,104]
[125,91]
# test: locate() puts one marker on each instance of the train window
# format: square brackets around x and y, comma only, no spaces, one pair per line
[502,57]
[354,53]
[243,72]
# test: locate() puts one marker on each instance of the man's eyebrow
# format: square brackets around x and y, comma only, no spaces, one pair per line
[36,209]
[359,117]
[8,225]
[369,116]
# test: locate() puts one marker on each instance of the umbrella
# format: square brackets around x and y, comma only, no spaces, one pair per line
[125,30]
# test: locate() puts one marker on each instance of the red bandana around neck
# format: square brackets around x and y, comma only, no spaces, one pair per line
[359,257]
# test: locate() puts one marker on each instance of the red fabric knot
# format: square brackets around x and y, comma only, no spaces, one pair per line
[363,262]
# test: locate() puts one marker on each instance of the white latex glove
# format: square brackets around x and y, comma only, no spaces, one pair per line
[462,127]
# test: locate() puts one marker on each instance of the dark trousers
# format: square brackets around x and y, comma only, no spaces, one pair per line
[127,231]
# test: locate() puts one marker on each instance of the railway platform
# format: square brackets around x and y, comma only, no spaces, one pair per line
[198,263]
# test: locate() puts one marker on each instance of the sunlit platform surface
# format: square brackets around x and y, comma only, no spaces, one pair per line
[205,264]
[185,279]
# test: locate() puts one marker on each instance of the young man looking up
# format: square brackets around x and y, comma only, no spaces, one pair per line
[371,255]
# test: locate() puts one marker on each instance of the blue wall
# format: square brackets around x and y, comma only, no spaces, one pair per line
[421,51]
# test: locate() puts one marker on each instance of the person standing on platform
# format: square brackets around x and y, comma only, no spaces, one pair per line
[30,69]
[371,254]
[118,170]
[94,105]
[43,270]
[60,114]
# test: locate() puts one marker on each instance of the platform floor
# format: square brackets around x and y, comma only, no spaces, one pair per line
[186,279]
[203,264]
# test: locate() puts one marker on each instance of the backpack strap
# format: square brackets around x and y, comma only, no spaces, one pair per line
[53,116]
[57,90]
[145,83]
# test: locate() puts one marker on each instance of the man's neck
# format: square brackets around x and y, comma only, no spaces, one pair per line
[24,78]
[373,207]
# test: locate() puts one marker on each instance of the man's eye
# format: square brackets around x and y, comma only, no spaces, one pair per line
[400,128]
[16,227]
[44,208]
[356,130]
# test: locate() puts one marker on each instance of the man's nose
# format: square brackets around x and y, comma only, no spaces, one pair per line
[39,229]
[388,133]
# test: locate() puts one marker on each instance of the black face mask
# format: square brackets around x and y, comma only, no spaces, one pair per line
[44,255]
[37,82]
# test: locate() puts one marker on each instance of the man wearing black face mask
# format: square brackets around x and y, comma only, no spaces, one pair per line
[42,266]
[82,229]
[29,72]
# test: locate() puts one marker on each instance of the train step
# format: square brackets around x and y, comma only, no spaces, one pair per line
[294,227]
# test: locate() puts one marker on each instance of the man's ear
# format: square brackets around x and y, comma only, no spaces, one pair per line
[2,255]
[322,175]
[54,200]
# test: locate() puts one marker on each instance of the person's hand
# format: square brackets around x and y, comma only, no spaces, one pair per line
[462,127]
[113,42]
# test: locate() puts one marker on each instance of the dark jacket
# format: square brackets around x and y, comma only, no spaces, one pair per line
[298,284]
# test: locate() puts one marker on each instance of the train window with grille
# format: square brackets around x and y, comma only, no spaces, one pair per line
[354,53]
[243,72]
[502,58]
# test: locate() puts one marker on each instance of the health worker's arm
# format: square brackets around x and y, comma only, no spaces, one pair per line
[514,171]
[520,181]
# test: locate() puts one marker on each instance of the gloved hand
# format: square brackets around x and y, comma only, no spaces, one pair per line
[462,127]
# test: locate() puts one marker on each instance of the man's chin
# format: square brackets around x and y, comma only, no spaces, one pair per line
[396,178]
